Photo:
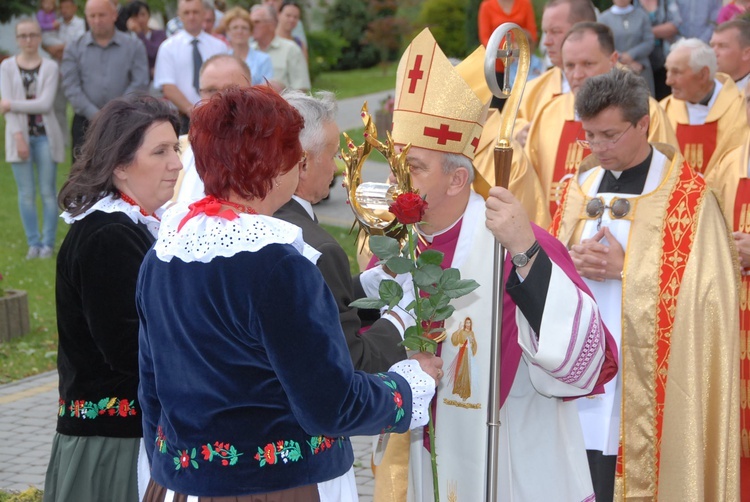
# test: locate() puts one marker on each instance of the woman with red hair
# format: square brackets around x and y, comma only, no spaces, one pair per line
[247,386]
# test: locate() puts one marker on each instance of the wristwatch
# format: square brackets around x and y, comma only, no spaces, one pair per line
[520,260]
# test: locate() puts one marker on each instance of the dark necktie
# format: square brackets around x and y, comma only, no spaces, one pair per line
[197,63]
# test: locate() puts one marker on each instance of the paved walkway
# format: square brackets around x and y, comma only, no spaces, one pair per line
[28,408]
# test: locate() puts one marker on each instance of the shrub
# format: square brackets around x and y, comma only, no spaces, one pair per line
[324,50]
[349,19]
[446,20]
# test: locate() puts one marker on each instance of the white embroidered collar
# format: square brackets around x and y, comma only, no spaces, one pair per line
[109,204]
[203,238]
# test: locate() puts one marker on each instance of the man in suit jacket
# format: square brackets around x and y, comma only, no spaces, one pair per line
[377,348]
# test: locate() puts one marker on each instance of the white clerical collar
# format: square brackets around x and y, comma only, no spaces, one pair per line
[622,10]
[305,205]
[742,83]
[697,113]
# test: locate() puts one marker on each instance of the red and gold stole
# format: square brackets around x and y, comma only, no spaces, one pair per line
[569,157]
[742,224]
[697,143]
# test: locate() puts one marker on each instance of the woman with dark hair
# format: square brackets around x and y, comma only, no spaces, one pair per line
[139,14]
[247,385]
[126,170]
[289,15]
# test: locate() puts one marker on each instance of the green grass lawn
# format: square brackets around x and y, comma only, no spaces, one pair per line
[347,84]
[35,352]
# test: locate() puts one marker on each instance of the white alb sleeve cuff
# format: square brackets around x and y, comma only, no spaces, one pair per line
[422,390]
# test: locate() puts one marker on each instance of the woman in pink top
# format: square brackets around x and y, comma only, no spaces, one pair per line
[732,10]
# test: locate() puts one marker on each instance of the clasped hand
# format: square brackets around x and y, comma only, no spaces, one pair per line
[598,261]
[508,221]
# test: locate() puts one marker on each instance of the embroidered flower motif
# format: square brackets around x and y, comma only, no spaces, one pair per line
[60,408]
[225,451]
[319,444]
[161,441]
[397,399]
[284,451]
[110,406]
[183,460]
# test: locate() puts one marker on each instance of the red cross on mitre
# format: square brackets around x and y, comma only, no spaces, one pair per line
[415,74]
[443,134]
[475,143]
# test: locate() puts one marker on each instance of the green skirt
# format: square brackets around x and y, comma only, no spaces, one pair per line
[92,468]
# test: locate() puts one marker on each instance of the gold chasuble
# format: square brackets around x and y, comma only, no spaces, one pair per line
[731,180]
[537,93]
[553,149]
[703,144]
[524,182]
[679,439]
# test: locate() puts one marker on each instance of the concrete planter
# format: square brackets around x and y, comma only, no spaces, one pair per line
[14,314]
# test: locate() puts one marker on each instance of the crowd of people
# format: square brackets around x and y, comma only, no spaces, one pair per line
[207,343]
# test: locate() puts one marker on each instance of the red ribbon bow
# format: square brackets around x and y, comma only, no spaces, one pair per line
[209,205]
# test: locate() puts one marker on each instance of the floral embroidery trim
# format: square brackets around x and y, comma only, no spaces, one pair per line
[111,406]
[397,399]
[286,451]
[319,444]
[226,453]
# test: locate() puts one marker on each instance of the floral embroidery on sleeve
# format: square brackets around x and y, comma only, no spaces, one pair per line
[397,399]
[319,444]
[113,406]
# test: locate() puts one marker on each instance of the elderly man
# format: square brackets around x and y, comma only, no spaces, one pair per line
[705,108]
[218,73]
[553,144]
[731,180]
[178,62]
[545,341]
[558,18]
[289,64]
[647,235]
[378,347]
[731,44]
[101,65]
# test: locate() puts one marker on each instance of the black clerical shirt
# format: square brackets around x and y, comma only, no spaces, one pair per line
[631,181]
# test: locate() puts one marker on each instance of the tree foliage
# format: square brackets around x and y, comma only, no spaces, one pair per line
[446,20]
[349,20]
[11,8]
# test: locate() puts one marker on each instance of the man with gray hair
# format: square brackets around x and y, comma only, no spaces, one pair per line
[378,347]
[289,64]
[706,109]
[647,236]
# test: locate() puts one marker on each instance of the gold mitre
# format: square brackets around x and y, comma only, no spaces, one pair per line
[435,108]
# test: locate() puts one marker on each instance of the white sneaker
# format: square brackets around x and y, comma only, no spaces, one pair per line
[33,253]
[46,252]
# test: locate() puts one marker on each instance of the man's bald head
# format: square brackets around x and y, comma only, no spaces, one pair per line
[222,72]
[101,16]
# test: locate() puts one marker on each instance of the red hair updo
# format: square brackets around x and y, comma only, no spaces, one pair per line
[242,139]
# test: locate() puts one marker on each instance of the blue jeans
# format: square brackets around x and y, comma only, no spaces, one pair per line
[46,170]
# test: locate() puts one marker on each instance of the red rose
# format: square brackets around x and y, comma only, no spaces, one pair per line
[270,453]
[409,208]
[397,399]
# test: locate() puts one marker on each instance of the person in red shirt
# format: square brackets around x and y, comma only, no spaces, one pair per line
[493,13]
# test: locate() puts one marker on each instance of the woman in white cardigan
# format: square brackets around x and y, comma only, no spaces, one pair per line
[33,137]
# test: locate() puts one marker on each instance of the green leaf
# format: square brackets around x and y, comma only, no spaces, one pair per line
[449,278]
[384,247]
[427,275]
[439,300]
[368,303]
[232,460]
[400,265]
[428,344]
[430,289]
[411,331]
[430,257]
[390,292]
[412,343]
[195,464]
[462,288]
[444,313]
